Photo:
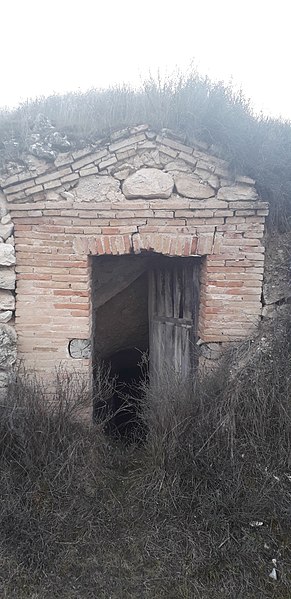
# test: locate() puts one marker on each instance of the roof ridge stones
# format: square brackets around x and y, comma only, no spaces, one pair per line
[108,157]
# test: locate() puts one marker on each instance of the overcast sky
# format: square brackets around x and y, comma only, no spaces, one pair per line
[63,45]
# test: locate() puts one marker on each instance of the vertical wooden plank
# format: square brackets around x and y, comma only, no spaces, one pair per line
[176,291]
[173,313]
[188,283]
[169,308]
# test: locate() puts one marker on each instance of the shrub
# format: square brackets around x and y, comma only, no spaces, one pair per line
[191,105]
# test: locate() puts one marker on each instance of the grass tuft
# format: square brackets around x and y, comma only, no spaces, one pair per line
[199,509]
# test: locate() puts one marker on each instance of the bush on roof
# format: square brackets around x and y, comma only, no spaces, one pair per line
[191,105]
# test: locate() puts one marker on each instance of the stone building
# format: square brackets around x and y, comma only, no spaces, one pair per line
[138,242]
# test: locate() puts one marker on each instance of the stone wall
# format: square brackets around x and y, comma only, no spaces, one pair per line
[7,294]
[138,191]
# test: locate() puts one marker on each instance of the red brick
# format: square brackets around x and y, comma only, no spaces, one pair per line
[194,245]
[100,249]
[106,244]
[70,306]
[70,293]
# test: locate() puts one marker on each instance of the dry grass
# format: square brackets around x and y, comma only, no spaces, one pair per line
[190,105]
[85,516]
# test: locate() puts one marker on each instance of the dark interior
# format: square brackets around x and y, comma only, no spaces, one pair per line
[125,290]
[120,334]
[125,365]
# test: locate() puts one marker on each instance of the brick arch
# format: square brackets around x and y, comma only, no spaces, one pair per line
[168,244]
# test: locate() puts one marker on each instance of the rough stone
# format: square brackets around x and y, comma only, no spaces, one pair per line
[45,141]
[188,159]
[148,183]
[173,143]
[123,174]
[7,300]
[134,139]
[190,186]
[208,177]
[6,219]
[6,230]
[40,151]
[86,171]
[106,163]
[7,254]
[151,158]
[7,346]
[7,278]
[20,187]
[97,189]
[80,348]
[237,192]
[95,158]
[5,315]
[58,141]
[3,205]
[147,145]
[178,165]
[127,153]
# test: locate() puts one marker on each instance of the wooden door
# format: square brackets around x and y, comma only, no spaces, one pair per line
[173,314]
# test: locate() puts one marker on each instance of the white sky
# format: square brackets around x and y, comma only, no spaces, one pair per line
[64,45]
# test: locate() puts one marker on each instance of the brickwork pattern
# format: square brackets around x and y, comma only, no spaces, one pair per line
[67,211]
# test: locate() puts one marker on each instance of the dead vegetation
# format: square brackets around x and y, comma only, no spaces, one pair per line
[190,105]
[200,509]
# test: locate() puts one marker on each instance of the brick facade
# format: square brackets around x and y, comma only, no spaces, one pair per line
[65,212]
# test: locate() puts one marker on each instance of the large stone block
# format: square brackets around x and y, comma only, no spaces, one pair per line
[7,300]
[5,315]
[7,346]
[237,192]
[7,254]
[177,165]
[191,186]
[7,278]
[6,230]
[80,348]
[98,189]
[3,205]
[148,183]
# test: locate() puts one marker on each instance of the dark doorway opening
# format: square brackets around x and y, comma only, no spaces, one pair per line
[145,304]
[126,367]
[120,334]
